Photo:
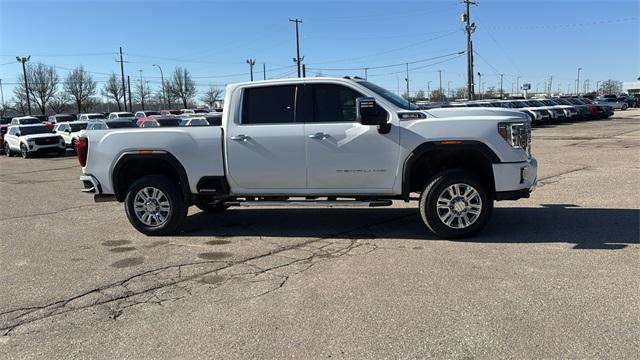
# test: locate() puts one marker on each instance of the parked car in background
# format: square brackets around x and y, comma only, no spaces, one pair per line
[187,111]
[146,113]
[103,124]
[583,111]
[159,120]
[31,139]
[606,110]
[170,112]
[194,121]
[536,114]
[25,120]
[570,112]
[630,100]
[121,115]
[4,125]
[615,103]
[91,116]
[58,118]
[70,132]
[555,113]
[148,124]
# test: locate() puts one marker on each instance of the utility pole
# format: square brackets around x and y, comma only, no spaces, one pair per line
[469,28]
[429,90]
[449,89]
[298,60]
[304,70]
[518,84]
[251,62]
[365,74]
[407,80]
[124,88]
[501,91]
[164,93]
[141,90]
[264,71]
[24,60]
[130,104]
[550,85]
[597,87]
[480,84]
[578,82]
[440,76]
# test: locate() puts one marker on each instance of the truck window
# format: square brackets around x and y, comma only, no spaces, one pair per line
[269,105]
[334,103]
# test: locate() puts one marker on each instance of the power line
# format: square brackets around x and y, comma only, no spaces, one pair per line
[390,65]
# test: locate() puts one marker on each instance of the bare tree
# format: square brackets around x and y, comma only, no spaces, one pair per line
[19,101]
[437,95]
[112,90]
[490,92]
[611,86]
[80,86]
[142,94]
[419,95]
[60,103]
[181,86]
[212,95]
[460,93]
[43,84]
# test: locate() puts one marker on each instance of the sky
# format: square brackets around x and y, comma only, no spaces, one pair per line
[527,41]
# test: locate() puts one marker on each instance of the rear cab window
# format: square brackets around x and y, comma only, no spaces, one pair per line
[268,105]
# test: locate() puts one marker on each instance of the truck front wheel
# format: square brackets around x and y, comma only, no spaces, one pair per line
[154,205]
[455,204]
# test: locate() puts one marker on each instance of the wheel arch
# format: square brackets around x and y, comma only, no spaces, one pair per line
[134,165]
[430,158]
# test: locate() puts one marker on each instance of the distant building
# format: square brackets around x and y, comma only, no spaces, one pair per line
[631,87]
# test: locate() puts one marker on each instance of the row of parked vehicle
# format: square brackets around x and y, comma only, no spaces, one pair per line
[38,134]
[548,110]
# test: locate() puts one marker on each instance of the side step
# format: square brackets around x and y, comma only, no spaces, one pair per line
[311,203]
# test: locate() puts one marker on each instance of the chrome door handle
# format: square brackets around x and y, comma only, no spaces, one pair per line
[240,138]
[318,135]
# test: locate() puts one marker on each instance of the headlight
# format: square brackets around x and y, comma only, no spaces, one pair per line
[517,135]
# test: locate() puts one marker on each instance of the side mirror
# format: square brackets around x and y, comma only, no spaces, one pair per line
[368,113]
[17,134]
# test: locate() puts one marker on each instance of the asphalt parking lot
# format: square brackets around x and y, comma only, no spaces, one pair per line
[552,276]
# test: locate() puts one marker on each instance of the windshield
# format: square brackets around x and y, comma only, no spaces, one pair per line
[63,118]
[30,130]
[168,122]
[389,96]
[586,101]
[200,111]
[151,113]
[95,116]
[519,104]
[29,121]
[562,102]
[503,105]
[78,127]
[120,124]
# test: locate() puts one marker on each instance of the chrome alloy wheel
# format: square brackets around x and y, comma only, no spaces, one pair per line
[151,206]
[459,206]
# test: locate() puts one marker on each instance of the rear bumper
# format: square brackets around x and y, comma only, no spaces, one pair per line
[91,185]
[515,180]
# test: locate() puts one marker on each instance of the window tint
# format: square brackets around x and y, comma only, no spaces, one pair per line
[334,103]
[269,105]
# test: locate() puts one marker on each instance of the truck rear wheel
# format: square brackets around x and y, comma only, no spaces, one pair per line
[154,205]
[455,204]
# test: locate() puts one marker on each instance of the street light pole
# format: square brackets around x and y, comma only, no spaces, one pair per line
[164,93]
[449,88]
[298,60]
[598,87]
[24,60]
[251,62]
[141,91]
[578,82]
[501,92]
[429,90]
[440,88]
[480,85]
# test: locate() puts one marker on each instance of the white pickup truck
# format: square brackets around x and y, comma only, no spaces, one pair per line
[316,142]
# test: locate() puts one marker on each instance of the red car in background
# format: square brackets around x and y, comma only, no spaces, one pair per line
[157,121]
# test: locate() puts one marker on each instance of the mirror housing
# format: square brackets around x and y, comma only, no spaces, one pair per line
[369,113]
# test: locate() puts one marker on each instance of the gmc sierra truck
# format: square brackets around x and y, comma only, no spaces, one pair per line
[316,142]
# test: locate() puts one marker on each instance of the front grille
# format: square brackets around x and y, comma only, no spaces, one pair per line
[47,141]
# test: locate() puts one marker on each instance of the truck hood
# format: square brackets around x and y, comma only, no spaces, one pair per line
[475,112]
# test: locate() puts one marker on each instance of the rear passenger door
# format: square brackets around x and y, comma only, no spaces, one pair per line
[266,145]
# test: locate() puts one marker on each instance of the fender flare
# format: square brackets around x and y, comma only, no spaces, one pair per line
[450,144]
[129,156]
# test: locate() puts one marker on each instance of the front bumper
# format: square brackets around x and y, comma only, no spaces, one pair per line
[515,180]
[33,148]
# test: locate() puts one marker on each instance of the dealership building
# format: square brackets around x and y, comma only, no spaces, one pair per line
[631,87]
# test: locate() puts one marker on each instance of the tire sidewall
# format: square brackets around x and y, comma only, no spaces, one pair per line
[23,151]
[429,198]
[7,149]
[176,202]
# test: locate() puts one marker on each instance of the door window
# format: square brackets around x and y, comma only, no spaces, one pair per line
[269,105]
[334,103]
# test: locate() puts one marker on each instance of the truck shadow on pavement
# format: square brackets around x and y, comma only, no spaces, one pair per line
[586,228]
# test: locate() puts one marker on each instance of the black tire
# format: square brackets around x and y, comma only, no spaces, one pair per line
[431,215]
[212,208]
[74,146]
[7,150]
[62,152]
[24,151]
[177,208]
[625,106]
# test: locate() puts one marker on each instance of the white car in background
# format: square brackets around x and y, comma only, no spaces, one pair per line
[121,115]
[30,139]
[91,116]
[25,120]
[146,113]
[194,121]
[614,103]
[70,132]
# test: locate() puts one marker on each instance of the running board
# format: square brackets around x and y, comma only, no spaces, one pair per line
[311,203]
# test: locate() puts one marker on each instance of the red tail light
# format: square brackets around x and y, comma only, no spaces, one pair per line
[82,147]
